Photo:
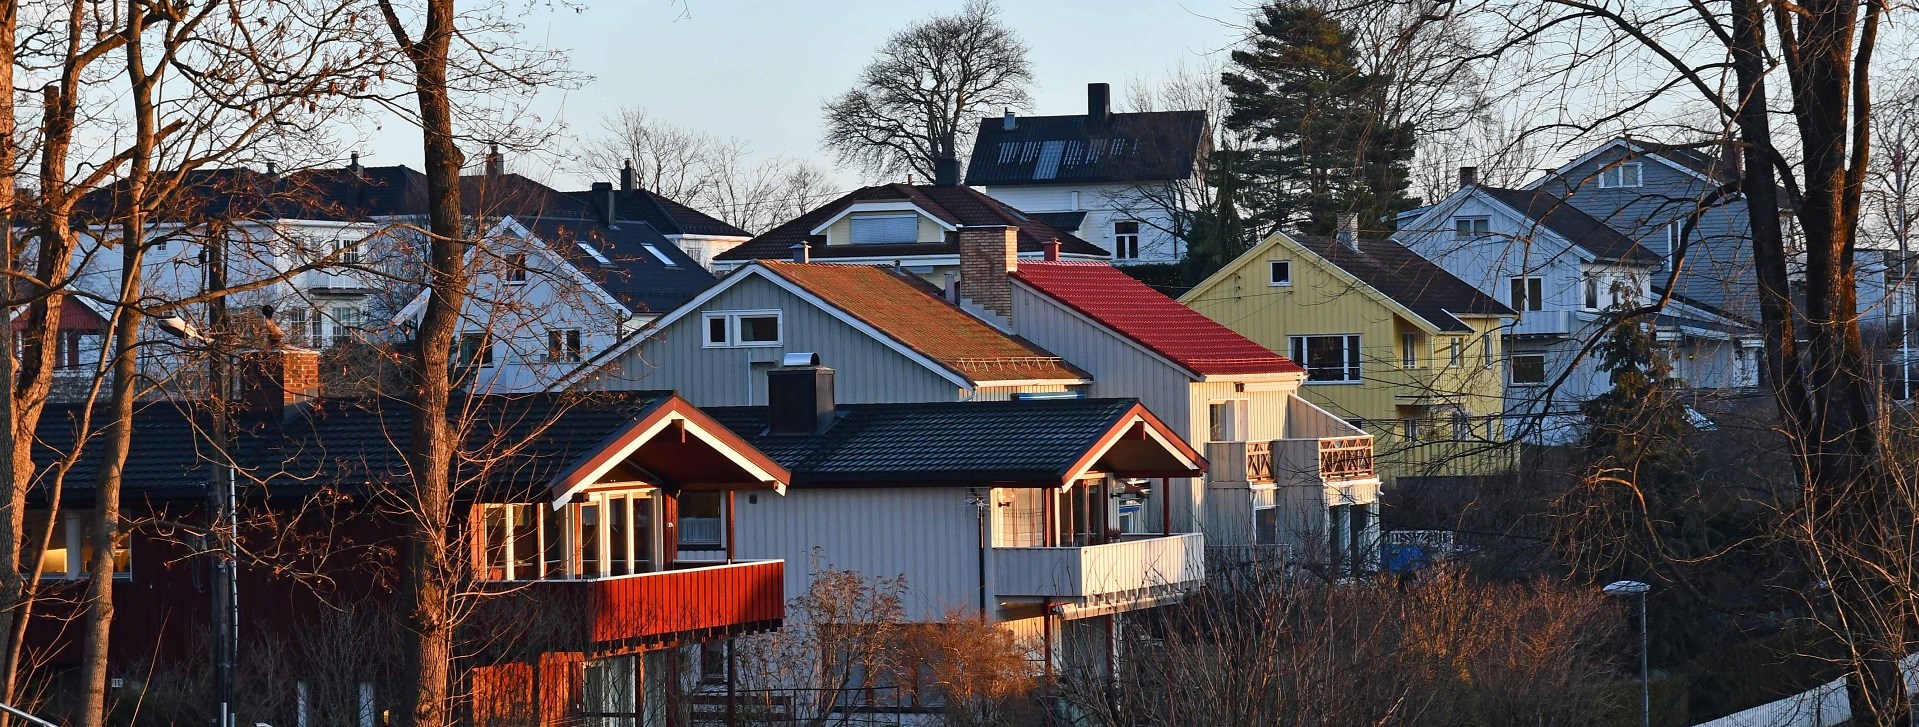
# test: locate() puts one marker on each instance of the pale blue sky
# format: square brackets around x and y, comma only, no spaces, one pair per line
[759,70]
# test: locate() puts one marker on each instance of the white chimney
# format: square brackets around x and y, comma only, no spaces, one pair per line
[1349,230]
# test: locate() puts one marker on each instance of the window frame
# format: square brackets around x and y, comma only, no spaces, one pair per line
[516,271]
[1531,293]
[1409,350]
[1455,352]
[565,345]
[733,328]
[1512,369]
[75,531]
[1126,244]
[1352,366]
[1238,417]
[1589,291]
[1614,177]
[853,239]
[1275,280]
[1472,227]
[484,360]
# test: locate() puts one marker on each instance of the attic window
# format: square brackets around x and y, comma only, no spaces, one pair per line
[664,260]
[1622,175]
[885,229]
[595,252]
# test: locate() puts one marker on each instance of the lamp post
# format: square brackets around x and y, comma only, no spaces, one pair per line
[1635,588]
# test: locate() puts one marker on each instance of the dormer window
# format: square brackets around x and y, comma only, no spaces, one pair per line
[1620,175]
[884,229]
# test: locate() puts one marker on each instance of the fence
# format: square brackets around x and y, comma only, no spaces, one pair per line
[1825,705]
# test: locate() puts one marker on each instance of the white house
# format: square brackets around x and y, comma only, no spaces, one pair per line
[1127,182]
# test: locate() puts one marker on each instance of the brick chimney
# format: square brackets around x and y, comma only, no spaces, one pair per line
[1468,176]
[271,380]
[986,254]
[495,161]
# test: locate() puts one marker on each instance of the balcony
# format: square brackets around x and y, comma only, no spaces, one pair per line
[1247,462]
[1332,460]
[1544,323]
[1134,572]
[647,610]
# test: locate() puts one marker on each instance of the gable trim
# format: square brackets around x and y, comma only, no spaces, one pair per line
[1636,151]
[692,422]
[881,206]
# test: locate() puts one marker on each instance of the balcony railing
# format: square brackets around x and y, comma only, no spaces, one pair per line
[1136,568]
[1544,323]
[1247,462]
[623,612]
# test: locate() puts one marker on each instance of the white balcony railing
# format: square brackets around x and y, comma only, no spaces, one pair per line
[1137,567]
[1544,323]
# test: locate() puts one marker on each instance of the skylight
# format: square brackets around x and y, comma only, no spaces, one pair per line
[595,252]
[667,261]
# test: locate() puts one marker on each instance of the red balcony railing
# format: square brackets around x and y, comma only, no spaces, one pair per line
[603,615]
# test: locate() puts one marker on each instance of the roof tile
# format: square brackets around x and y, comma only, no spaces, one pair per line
[1133,309]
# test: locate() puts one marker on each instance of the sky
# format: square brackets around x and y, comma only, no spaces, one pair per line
[759,70]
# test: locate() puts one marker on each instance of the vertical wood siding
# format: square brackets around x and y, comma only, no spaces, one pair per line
[928,536]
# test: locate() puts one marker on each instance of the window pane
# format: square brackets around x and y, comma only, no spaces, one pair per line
[1519,294]
[716,330]
[526,541]
[617,531]
[701,519]
[1529,369]
[759,329]
[1280,272]
[1536,294]
[890,229]
[589,550]
[554,524]
[494,531]
[53,561]
[643,534]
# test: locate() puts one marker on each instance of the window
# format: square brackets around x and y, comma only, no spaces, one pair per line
[1409,428]
[70,549]
[1328,359]
[1462,426]
[664,260]
[563,345]
[1486,351]
[1528,294]
[516,268]
[1266,526]
[1673,235]
[346,320]
[702,521]
[475,350]
[884,229]
[1591,284]
[1620,175]
[1279,272]
[1226,421]
[742,329]
[1472,228]
[593,252]
[1454,353]
[1349,540]
[1126,240]
[1528,368]
[346,252]
[1409,350]
[609,534]
[160,244]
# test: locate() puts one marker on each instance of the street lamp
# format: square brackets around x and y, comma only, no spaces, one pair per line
[1635,588]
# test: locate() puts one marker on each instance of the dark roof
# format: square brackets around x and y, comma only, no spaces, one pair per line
[937,443]
[347,442]
[1068,221]
[673,218]
[1577,227]
[1135,310]
[1409,280]
[633,274]
[900,306]
[1132,147]
[334,194]
[960,206]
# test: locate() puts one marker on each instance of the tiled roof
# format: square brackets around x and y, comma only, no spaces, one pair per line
[1409,280]
[334,194]
[1577,227]
[1136,311]
[961,206]
[937,443]
[900,307]
[1134,147]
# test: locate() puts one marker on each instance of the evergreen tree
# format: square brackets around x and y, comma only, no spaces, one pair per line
[1323,144]
[1219,233]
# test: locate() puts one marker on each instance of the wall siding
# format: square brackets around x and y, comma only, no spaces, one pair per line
[928,535]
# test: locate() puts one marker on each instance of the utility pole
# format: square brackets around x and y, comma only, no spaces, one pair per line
[1902,230]
[223,521]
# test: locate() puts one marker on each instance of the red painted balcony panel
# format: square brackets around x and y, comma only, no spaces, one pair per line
[637,612]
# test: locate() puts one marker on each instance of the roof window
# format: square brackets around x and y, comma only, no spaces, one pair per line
[664,260]
[595,252]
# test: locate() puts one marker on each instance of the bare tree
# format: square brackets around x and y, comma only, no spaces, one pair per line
[671,161]
[708,173]
[915,103]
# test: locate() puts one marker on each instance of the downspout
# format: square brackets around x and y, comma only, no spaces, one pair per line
[980,504]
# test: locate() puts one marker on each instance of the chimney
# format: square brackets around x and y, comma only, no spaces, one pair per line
[1730,165]
[802,252]
[273,168]
[1052,250]
[495,161]
[272,380]
[354,166]
[986,254]
[1098,104]
[799,396]
[1010,123]
[945,172]
[1349,230]
[951,287]
[603,199]
[1468,176]
[626,177]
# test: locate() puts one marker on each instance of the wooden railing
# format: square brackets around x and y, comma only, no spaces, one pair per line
[1346,458]
[1259,461]
[643,610]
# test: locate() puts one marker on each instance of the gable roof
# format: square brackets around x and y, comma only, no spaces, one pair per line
[341,194]
[1134,310]
[1686,158]
[953,205]
[906,309]
[1408,279]
[634,272]
[946,444]
[1577,227]
[1133,147]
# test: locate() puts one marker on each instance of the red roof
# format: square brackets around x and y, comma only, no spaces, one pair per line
[1135,310]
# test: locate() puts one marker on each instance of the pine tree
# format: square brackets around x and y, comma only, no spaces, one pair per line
[1219,233]
[1323,145]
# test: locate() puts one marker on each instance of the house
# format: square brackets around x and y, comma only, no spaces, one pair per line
[892,336]
[1390,342]
[1285,474]
[915,226]
[1128,182]
[563,530]
[1024,513]
[1561,269]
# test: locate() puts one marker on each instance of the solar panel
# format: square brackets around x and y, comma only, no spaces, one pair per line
[1049,154]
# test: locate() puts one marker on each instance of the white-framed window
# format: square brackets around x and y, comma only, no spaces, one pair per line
[1626,174]
[661,256]
[1279,272]
[702,520]
[1527,369]
[1126,239]
[1455,352]
[70,549]
[563,345]
[1528,294]
[1472,228]
[1409,429]
[1591,285]
[1462,429]
[594,252]
[1486,350]
[346,319]
[515,268]
[475,351]
[347,252]
[1674,231]
[1227,421]
[609,534]
[1409,350]
[890,229]
[1328,359]
[742,329]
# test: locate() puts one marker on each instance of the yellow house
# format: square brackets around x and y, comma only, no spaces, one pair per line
[1390,341]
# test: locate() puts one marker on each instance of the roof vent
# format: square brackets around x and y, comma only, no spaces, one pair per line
[800,358]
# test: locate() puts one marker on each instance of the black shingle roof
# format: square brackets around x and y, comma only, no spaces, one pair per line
[955,205]
[336,194]
[1068,221]
[1132,147]
[1577,227]
[937,444]
[633,274]
[1409,280]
